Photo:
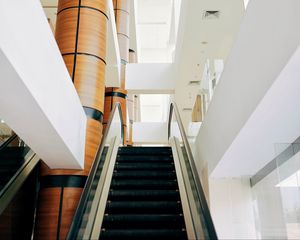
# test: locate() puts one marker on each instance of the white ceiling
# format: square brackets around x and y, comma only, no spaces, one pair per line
[200,39]
[153,29]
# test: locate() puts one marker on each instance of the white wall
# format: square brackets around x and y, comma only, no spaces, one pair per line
[260,53]
[150,77]
[231,208]
[37,97]
[269,209]
[150,132]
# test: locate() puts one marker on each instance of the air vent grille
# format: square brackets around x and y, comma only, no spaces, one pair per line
[209,14]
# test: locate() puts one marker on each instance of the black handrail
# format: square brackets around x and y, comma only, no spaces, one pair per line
[88,185]
[7,142]
[203,203]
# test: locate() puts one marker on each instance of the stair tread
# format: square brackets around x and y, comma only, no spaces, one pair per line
[144,184]
[144,200]
[144,234]
[143,221]
[144,194]
[144,174]
[152,207]
[144,158]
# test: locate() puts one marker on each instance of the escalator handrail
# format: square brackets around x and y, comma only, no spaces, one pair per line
[12,186]
[7,142]
[88,185]
[204,206]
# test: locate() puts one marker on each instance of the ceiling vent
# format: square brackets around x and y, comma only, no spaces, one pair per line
[187,109]
[211,14]
[194,83]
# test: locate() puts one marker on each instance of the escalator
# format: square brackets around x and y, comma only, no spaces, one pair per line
[143,200]
[19,181]
[143,192]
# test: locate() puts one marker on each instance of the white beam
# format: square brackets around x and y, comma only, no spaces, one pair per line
[37,97]
[150,78]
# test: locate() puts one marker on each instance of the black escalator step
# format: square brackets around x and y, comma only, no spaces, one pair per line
[144,166]
[151,207]
[146,195]
[144,151]
[11,162]
[143,234]
[144,184]
[145,174]
[143,221]
[143,158]
[14,152]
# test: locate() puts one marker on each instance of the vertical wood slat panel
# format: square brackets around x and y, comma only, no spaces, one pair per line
[48,212]
[70,202]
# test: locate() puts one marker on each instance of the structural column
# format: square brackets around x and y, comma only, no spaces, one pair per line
[81,37]
[130,102]
[113,95]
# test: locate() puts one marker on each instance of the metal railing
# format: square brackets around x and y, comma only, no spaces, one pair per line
[203,206]
[75,226]
[7,142]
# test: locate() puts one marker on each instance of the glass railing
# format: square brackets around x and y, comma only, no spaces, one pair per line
[276,194]
[85,215]
[201,220]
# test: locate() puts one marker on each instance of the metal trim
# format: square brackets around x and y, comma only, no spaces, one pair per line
[93,113]
[204,206]
[15,183]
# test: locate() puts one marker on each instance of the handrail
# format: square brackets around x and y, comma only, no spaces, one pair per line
[88,185]
[7,142]
[204,206]
[12,187]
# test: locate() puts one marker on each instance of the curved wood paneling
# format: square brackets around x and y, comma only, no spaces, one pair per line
[124,47]
[122,8]
[122,22]
[122,5]
[81,37]
[96,4]
[58,200]
[112,96]
[48,212]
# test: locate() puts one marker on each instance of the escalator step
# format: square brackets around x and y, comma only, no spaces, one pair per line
[144,184]
[144,195]
[145,174]
[143,234]
[145,151]
[168,221]
[144,158]
[14,152]
[144,166]
[151,207]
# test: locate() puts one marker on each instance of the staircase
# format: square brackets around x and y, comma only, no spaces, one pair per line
[144,201]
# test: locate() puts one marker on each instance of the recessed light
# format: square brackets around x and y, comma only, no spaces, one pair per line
[204,42]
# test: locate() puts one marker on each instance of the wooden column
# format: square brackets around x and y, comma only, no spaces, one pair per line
[81,37]
[130,102]
[121,9]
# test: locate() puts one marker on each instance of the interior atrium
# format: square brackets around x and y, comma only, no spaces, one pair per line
[149,119]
